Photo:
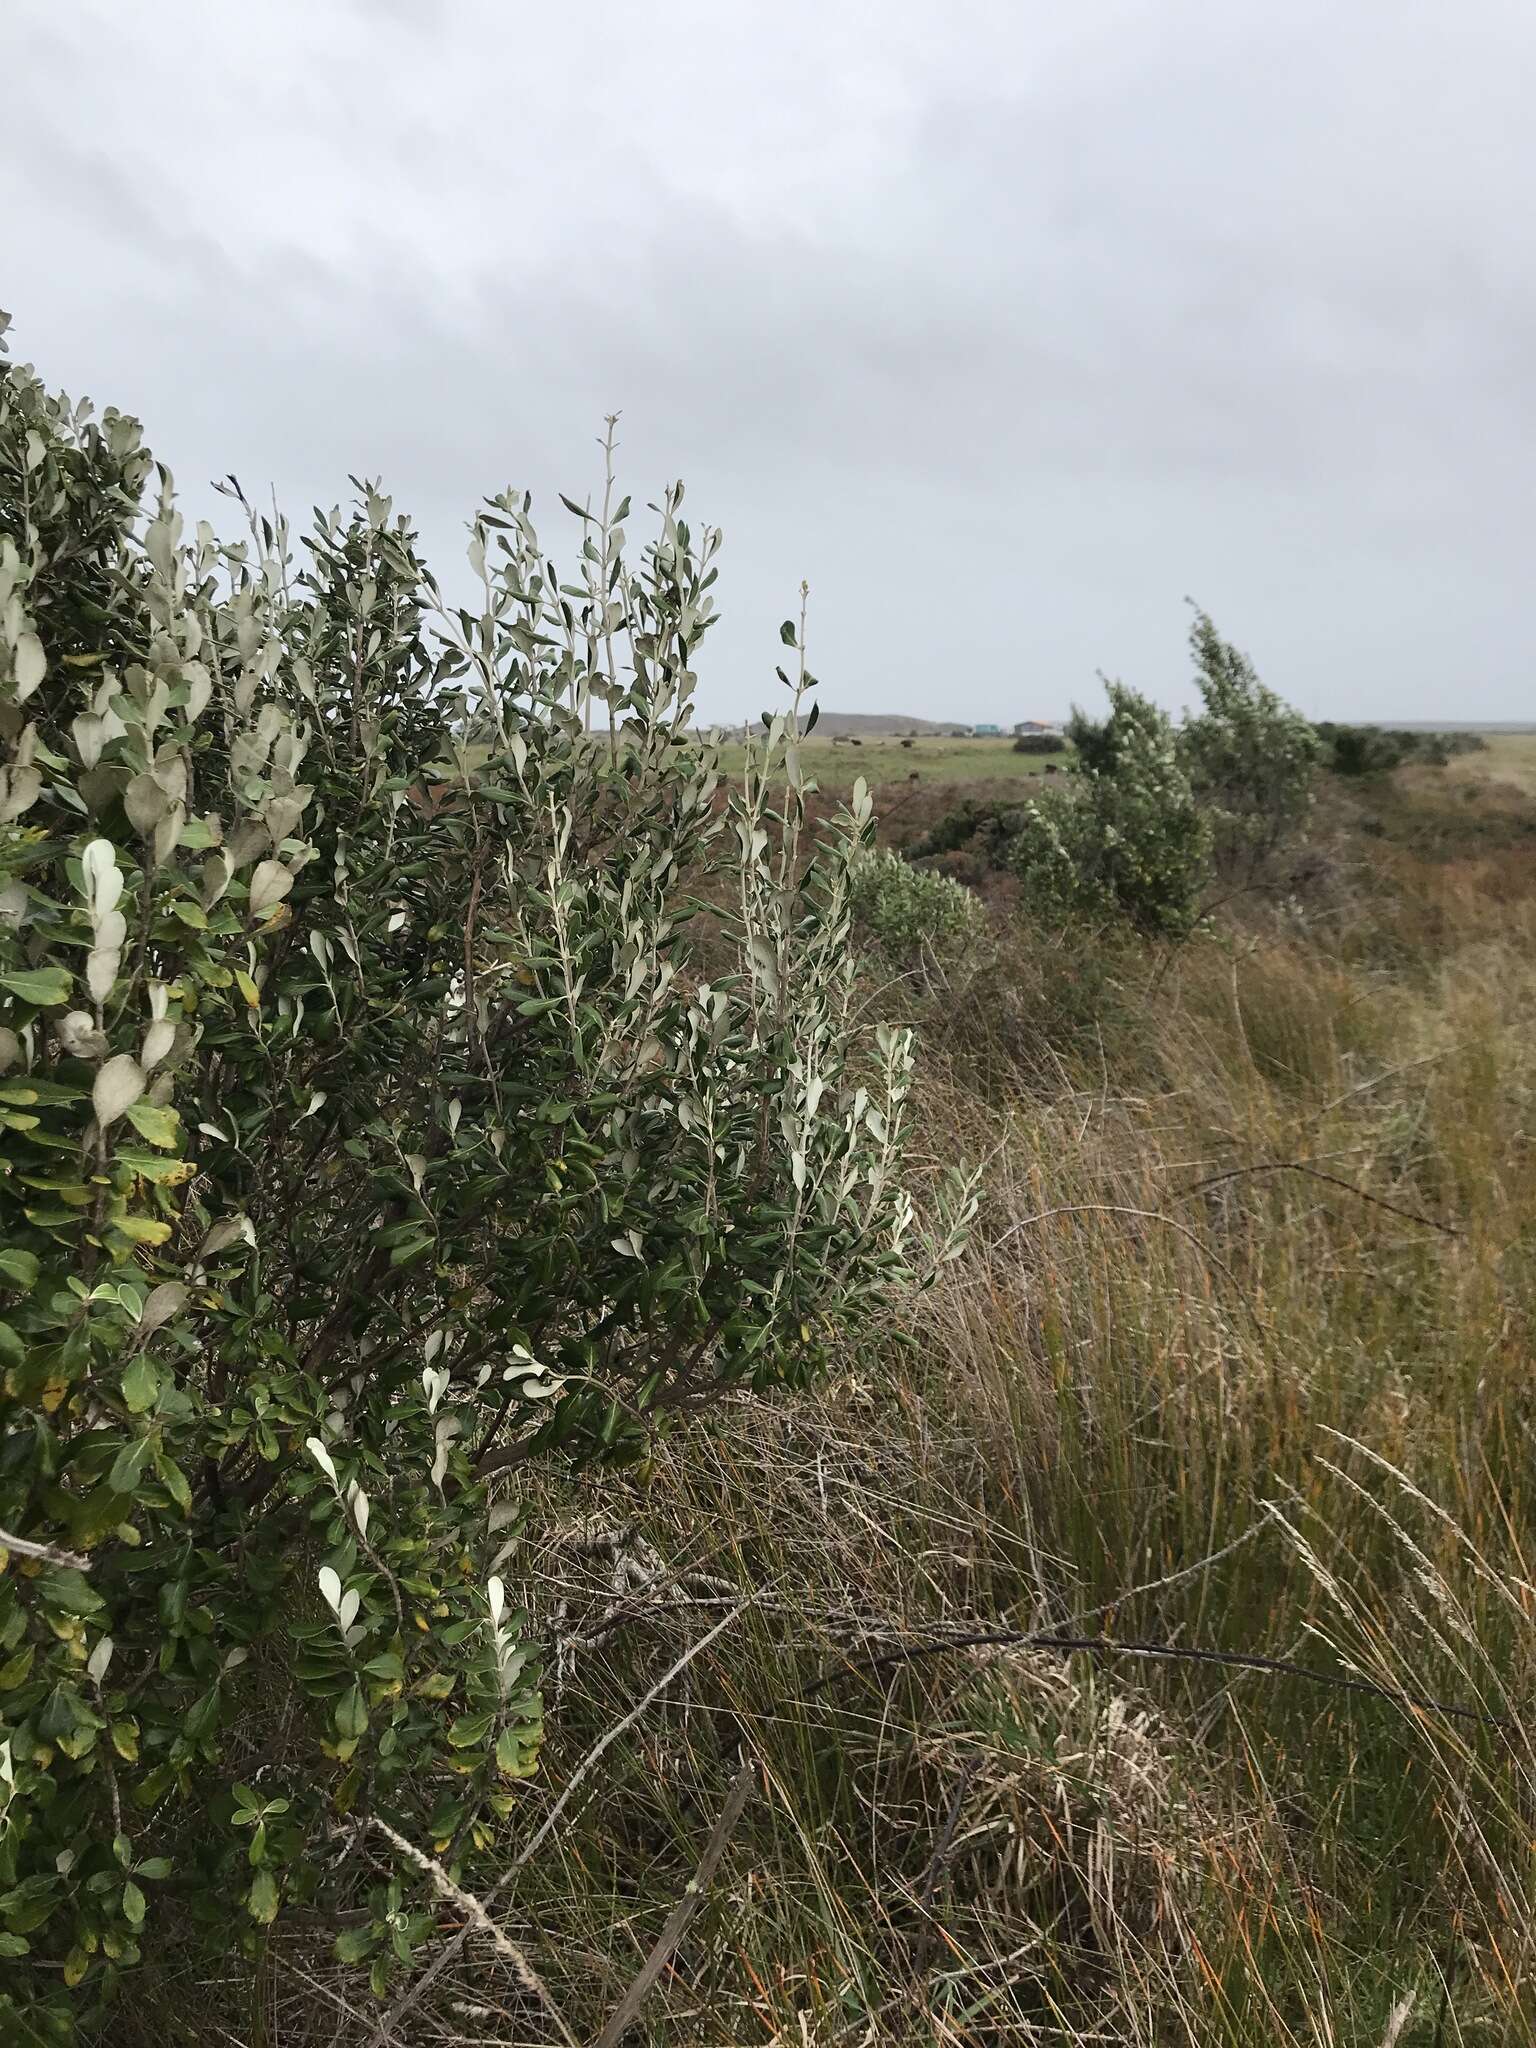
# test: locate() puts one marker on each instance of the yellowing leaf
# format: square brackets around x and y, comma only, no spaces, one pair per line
[143,1229]
[159,1126]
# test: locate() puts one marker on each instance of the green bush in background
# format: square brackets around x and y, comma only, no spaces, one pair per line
[914,915]
[1127,838]
[1250,757]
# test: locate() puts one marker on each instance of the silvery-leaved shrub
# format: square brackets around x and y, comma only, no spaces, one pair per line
[367,1127]
[915,918]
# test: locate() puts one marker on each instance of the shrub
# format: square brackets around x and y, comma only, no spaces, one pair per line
[1354,750]
[1039,743]
[1249,756]
[1128,840]
[1093,740]
[369,1129]
[914,915]
[972,821]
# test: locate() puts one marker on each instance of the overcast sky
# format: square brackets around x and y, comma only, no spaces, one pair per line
[1006,325]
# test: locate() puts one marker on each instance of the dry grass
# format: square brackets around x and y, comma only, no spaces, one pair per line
[1272,1416]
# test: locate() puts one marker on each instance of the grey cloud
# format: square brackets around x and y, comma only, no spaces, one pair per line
[1005,332]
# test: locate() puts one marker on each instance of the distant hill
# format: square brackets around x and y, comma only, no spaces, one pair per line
[835,724]
[832,725]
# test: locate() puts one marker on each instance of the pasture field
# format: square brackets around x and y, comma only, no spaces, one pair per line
[883,760]
[1510,757]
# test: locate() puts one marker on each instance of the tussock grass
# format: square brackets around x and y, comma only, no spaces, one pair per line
[1268,1415]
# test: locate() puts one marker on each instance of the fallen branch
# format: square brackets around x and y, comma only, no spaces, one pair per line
[1172,1653]
[1215,1180]
[476,1915]
[414,1993]
[628,2007]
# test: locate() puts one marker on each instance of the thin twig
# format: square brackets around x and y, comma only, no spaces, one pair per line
[1316,1173]
[1147,1216]
[628,2007]
[605,1741]
[45,1553]
[1189,1571]
[1377,1080]
[475,1913]
[413,1993]
[1399,2017]
[1108,1646]
[936,1861]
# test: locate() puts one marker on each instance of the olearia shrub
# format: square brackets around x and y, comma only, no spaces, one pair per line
[914,918]
[1127,839]
[368,1127]
[1251,759]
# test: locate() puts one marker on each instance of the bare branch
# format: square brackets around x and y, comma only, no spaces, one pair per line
[476,1915]
[682,1913]
[44,1553]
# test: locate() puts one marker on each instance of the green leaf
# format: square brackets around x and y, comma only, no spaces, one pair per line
[174,1480]
[149,1166]
[69,1590]
[91,1516]
[43,986]
[143,1229]
[14,1671]
[509,1754]
[134,1904]
[262,1898]
[351,1714]
[202,1715]
[62,1712]
[19,1267]
[141,1385]
[352,1946]
[14,1945]
[128,1464]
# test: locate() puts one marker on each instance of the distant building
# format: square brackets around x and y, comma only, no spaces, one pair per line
[1027,726]
[986,732]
